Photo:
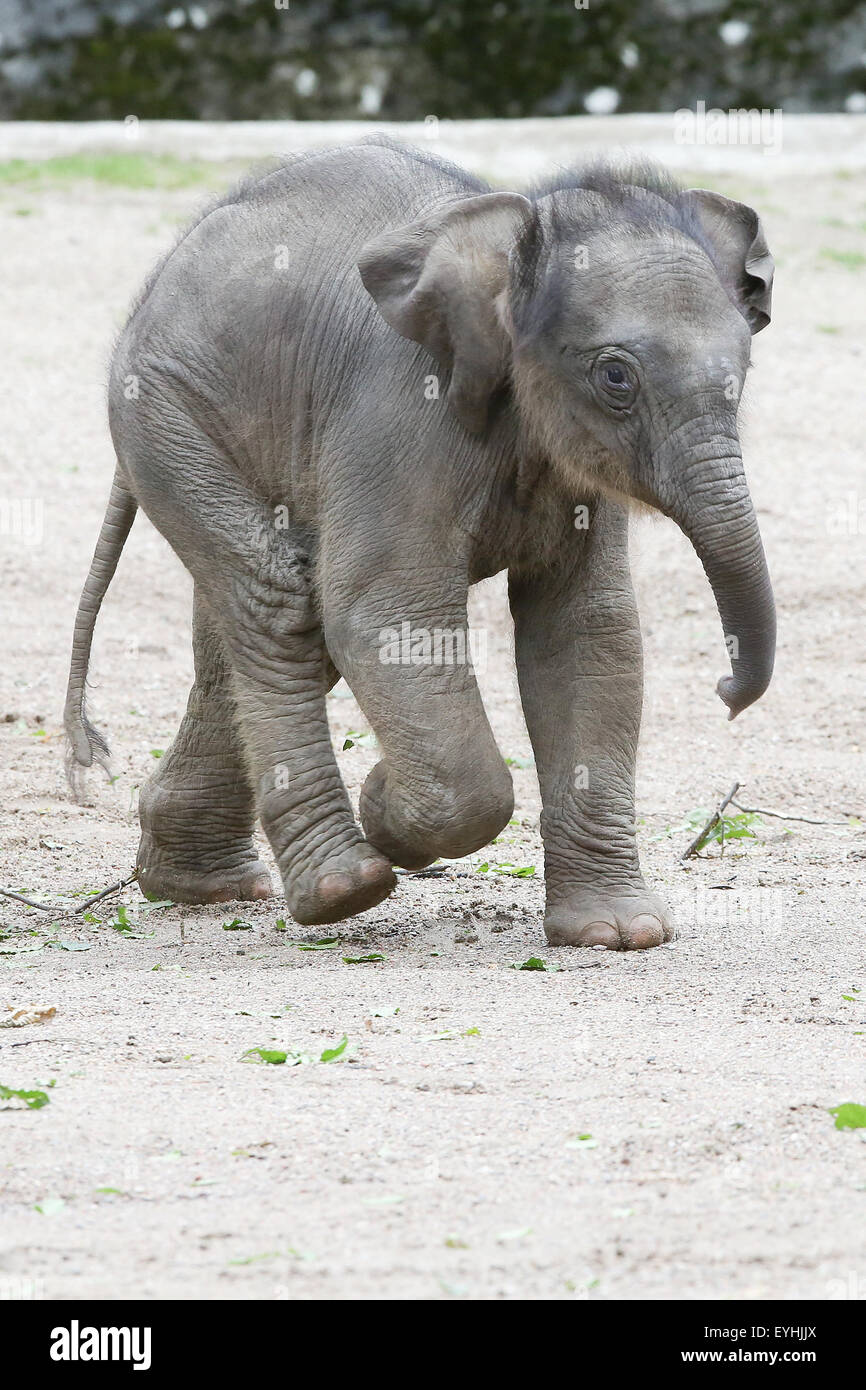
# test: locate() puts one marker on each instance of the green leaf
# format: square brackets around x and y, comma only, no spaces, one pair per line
[731,828]
[263,1054]
[50,1206]
[327,943]
[63,945]
[331,1054]
[849,1116]
[34,1100]
[280,924]
[534,963]
[157,752]
[254,1259]
[363,740]
[159,902]
[237,924]
[362,960]
[582,1141]
[121,922]
[155,904]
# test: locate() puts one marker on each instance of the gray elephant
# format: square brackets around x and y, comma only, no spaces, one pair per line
[361,383]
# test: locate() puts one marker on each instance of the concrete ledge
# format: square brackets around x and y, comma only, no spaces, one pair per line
[507,150]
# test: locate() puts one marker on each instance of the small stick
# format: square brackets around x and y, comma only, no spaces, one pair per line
[711,824]
[43,907]
[115,888]
[780,815]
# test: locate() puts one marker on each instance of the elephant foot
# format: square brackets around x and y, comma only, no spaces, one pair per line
[197,851]
[620,919]
[341,886]
[449,822]
[242,879]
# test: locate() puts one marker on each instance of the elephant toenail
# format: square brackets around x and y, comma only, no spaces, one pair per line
[334,886]
[644,931]
[374,870]
[600,934]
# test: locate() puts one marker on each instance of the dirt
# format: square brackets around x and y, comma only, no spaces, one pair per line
[441,1155]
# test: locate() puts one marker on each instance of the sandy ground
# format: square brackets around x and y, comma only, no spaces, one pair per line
[440,1156]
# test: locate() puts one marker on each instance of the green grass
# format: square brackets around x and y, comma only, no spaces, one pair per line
[117,170]
[852,260]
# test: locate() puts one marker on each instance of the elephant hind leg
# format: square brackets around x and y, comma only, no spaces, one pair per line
[281,671]
[197,811]
[273,752]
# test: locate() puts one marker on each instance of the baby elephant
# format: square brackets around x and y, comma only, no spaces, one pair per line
[363,382]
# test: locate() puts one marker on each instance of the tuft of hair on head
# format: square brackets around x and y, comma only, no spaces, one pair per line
[633,190]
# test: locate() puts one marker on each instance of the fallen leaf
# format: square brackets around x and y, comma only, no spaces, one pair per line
[50,1206]
[331,1054]
[264,1054]
[30,1013]
[34,1100]
[849,1116]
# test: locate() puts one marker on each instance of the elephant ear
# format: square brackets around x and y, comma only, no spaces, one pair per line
[735,231]
[436,281]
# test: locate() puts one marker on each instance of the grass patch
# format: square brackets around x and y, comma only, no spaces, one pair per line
[119,169]
[851,260]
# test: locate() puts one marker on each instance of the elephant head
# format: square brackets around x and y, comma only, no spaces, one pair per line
[619,308]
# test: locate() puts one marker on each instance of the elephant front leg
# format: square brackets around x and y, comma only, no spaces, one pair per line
[580,669]
[441,788]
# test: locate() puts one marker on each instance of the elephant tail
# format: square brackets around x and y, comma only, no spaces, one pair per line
[85,744]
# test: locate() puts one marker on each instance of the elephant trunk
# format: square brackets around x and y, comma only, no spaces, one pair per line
[709,499]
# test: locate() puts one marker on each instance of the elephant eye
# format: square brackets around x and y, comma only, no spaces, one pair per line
[616,382]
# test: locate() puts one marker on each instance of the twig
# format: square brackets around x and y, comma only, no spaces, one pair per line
[780,815]
[435,871]
[106,892]
[43,907]
[82,907]
[710,825]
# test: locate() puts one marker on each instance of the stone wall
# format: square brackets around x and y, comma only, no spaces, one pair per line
[404,59]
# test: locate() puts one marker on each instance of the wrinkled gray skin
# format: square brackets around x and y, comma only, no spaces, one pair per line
[269,412]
